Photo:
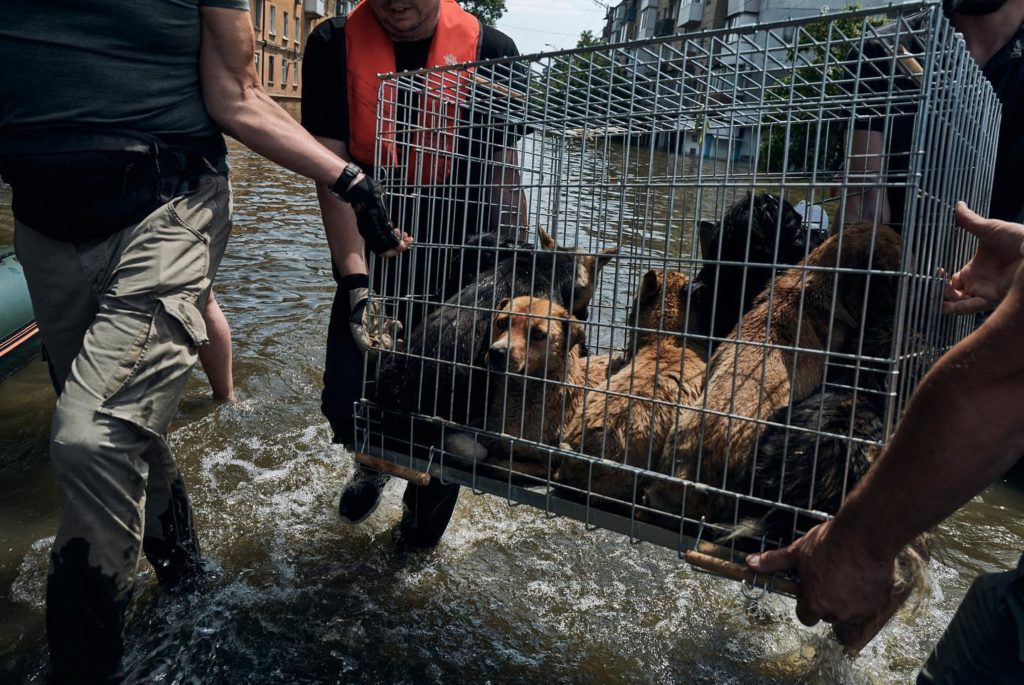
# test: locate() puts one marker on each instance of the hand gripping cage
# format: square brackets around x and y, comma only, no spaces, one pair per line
[680,288]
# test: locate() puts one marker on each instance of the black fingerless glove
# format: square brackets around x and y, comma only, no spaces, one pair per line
[371,214]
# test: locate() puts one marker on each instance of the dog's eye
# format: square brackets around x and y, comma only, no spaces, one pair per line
[501,324]
[538,334]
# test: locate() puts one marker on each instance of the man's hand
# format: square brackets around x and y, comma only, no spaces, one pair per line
[370,329]
[984,281]
[363,193]
[838,581]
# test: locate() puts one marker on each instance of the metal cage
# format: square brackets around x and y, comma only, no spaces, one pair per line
[724,256]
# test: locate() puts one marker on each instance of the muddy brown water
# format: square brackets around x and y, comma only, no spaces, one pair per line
[509,596]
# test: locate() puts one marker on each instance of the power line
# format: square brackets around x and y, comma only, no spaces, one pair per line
[525,28]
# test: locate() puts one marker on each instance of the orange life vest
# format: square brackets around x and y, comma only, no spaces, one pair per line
[368,52]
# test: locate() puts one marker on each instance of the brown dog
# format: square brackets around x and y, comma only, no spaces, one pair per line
[628,420]
[777,356]
[537,377]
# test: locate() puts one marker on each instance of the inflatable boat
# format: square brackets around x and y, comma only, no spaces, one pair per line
[19,336]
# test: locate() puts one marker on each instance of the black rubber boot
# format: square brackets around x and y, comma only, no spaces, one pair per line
[427,511]
[175,555]
[361,494]
[85,612]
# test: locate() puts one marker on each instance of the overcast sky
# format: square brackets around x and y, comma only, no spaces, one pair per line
[544,25]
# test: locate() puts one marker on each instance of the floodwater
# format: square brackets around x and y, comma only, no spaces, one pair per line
[510,595]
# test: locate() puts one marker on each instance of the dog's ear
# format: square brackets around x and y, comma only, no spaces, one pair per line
[575,334]
[546,241]
[504,304]
[605,256]
[649,285]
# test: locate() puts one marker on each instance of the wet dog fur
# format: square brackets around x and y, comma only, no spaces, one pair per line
[628,420]
[445,353]
[538,382]
[756,235]
[759,371]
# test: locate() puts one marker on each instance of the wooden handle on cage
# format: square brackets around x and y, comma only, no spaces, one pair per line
[412,475]
[910,65]
[738,571]
[494,85]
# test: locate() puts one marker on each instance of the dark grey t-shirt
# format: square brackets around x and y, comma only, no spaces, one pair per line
[111,63]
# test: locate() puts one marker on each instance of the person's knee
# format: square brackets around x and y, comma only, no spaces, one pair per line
[93,451]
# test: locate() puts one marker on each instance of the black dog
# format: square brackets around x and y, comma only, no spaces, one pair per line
[442,371]
[814,464]
[757,230]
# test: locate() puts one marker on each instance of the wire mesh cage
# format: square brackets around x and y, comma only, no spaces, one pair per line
[681,288]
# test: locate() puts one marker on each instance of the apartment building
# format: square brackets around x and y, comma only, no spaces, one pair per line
[282,27]
[639,19]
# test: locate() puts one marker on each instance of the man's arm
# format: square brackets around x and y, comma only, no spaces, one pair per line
[864,167]
[234,97]
[962,429]
[507,199]
[238,104]
[347,250]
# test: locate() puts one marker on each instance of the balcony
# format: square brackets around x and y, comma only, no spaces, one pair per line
[314,8]
[743,7]
[690,13]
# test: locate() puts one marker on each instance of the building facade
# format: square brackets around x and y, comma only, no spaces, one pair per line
[282,27]
[639,19]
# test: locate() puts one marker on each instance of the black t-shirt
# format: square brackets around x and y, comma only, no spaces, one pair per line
[1005,71]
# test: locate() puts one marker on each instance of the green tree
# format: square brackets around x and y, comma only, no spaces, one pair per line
[588,40]
[487,11]
[792,105]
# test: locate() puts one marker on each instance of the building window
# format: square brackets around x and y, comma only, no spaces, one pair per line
[284,72]
[297,34]
[270,69]
[257,14]
[284,25]
[256,61]
[295,75]
[273,20]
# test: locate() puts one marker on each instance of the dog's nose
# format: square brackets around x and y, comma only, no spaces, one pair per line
[497,358]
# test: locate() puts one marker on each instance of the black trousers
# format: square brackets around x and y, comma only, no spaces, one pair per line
[343,378]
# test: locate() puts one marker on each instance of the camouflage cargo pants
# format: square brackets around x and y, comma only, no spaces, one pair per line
[120,320]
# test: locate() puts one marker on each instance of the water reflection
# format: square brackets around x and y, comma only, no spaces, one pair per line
[508,596]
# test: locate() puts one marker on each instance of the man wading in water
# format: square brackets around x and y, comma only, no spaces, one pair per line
[339,107]
[111,115]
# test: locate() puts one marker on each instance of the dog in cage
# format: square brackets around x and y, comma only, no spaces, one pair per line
[538,380]
[810,456]
[443,372]
[777,357]
[757,232]
[629,418]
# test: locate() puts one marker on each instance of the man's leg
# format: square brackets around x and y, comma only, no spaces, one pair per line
[169,538]
[426,513]
[984,643]
[343,382]
[118,392]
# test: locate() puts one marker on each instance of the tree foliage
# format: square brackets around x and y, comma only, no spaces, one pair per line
[815,138]
[487,11]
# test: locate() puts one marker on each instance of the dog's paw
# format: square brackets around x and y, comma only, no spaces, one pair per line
[465,445]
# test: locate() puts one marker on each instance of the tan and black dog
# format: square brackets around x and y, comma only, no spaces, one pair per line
[777,357]
[536,385]
[628,420]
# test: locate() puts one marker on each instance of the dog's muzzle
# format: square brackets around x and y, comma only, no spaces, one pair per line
[497,358]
